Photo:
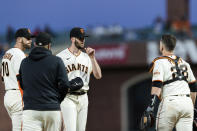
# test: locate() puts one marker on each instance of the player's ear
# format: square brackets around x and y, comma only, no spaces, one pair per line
[19,39]
[161,46]
[72,38]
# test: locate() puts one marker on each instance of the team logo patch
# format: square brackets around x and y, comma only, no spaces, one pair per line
[156,73]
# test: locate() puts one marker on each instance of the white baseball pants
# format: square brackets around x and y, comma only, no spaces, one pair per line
[13,105]
[175,111]
[74,109]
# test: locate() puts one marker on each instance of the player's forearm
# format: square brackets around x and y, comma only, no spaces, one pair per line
[156,91]
[193,96]
[96,69]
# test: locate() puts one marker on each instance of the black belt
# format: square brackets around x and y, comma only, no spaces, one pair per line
[78,93]
[11,89]
[187,95]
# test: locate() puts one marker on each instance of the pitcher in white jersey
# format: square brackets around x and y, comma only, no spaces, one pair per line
[78,64]
[10,68]
[174,84]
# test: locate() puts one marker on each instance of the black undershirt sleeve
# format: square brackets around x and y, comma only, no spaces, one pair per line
[193,87]
[157,84]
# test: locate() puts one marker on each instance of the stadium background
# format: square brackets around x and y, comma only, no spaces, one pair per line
[124,53]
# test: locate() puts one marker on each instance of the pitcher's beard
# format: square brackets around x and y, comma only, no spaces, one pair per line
[26,46]
[78,46]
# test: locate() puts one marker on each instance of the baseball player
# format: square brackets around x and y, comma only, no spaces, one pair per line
[44,81]
[78,64]
[174,84]
[10,68]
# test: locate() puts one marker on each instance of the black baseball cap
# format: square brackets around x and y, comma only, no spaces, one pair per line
[24,32]
[43,39]
[78,33]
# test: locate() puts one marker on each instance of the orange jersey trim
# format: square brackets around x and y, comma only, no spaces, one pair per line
[21,90]
[157,80]
[162,57]
[151,69]
[74,54]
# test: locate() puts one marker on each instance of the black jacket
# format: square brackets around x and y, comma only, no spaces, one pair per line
[44,80]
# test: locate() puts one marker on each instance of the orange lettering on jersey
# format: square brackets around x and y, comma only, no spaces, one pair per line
[86,71]
[8,56]
[83,67]
[73,67]
[69,68]
[79,67]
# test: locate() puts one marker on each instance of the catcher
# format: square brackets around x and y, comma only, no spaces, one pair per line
[174,84]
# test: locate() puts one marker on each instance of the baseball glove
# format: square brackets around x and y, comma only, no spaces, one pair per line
[76,84]
[147,120]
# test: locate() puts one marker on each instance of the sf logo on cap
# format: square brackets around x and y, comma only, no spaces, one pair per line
[29,31]
[82,31]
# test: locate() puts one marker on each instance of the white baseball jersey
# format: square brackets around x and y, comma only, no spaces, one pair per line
[77,66]
[164,69]
[10,67]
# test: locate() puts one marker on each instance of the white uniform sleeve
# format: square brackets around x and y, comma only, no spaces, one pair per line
[90,65]
[158,72]
[17,61]
[191,77]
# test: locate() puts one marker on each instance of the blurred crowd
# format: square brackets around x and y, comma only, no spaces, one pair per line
[180,27]
[8,38]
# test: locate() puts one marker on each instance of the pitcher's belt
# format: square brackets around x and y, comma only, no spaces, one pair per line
[78,93]
[187,95]
[11,89]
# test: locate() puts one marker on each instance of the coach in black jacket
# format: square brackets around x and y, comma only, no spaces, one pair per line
[44,81]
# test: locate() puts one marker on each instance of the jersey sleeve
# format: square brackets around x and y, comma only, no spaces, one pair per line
[17,59]
[157,72]
[90,65]
[191,77]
